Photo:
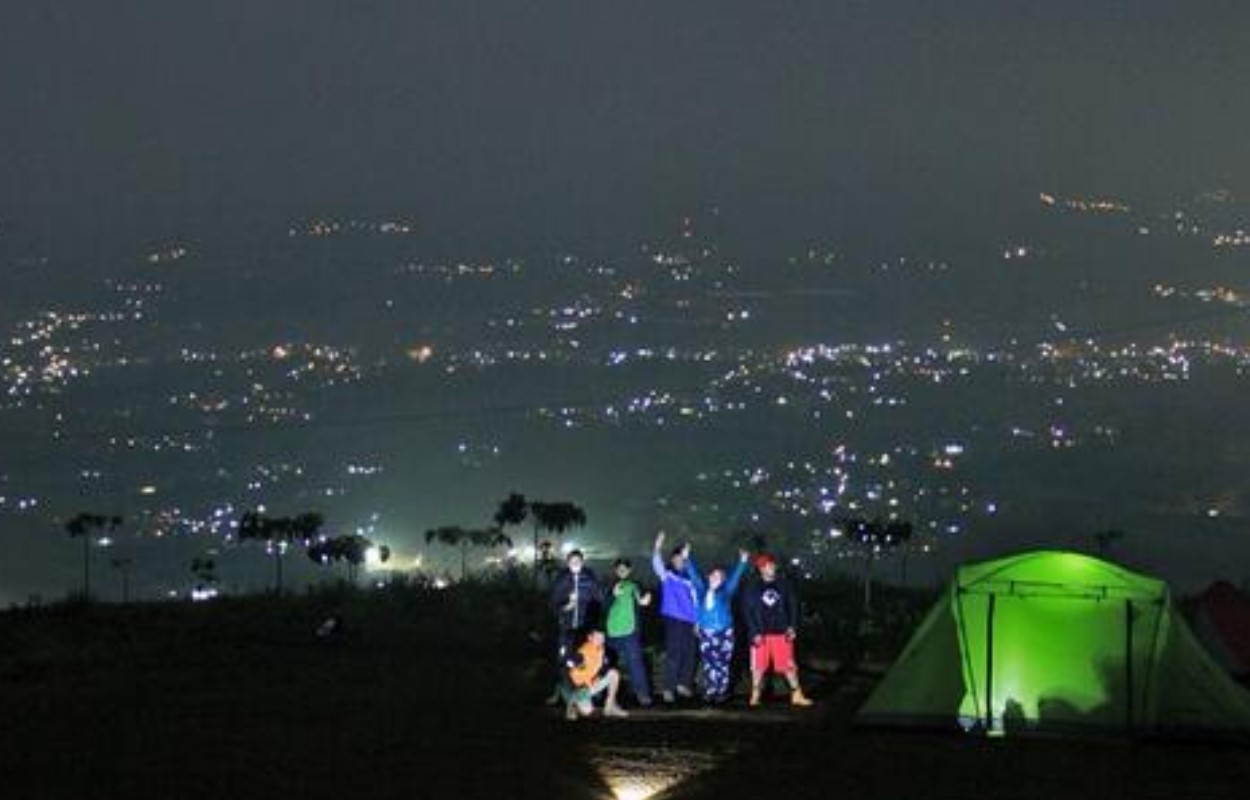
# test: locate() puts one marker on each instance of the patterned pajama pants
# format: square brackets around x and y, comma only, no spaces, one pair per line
[716,649]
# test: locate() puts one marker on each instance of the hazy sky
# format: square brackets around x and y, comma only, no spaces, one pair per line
[531,118]
[500,125]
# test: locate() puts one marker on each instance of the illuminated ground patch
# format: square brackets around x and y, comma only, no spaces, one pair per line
[640,773]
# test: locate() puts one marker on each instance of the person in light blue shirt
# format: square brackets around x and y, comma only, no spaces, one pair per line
[714,621]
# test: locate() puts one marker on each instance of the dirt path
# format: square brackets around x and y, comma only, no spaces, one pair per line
[658,750]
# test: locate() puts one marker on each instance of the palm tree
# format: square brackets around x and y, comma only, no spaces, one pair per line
[279,533]
[557,518]
[875,538]
[122,565]
[456,536]
[513,510]
[85,525]
[494,538]
[306,527]
[205,571]
[255,526]
[352,550]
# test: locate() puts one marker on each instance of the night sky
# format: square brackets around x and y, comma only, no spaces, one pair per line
[913,133]
[527,122]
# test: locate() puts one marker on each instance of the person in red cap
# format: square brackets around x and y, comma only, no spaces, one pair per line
[771,608]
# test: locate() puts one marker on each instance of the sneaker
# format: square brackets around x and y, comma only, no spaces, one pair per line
[613,710]
[570,712]
[668,697]
[684,692]
[797,698]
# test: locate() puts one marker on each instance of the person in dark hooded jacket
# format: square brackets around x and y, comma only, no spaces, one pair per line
[576,599]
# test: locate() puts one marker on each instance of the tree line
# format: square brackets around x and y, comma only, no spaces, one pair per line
[305,531]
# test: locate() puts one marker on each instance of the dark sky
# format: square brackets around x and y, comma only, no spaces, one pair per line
[520,119]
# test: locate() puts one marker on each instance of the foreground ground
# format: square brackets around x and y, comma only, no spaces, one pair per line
[437,694]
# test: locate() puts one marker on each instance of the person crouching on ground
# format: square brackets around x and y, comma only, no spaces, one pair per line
[771,608]
[588,677]
[677,608]
[625,632]
[715,621]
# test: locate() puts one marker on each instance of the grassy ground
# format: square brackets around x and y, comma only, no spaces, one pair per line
[438,694]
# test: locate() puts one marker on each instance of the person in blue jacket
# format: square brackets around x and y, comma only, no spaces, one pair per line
[677,610]
[714,620]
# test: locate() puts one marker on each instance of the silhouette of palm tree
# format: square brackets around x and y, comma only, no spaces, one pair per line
[122,565]
[279,533]
[513,510]
[352,550]
[205,571]
[557,518]
[85,525]
[875,537]
[464,538]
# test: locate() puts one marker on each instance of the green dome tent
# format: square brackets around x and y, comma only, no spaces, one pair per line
[1053,642]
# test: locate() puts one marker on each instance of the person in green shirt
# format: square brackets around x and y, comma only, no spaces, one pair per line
[625,631]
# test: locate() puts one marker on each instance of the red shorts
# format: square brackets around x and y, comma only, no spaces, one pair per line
[774,650]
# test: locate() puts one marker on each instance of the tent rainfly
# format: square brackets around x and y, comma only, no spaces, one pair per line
[1054,642]
[1221,620]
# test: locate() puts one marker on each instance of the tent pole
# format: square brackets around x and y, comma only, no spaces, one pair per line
[989,665]
[1128,662]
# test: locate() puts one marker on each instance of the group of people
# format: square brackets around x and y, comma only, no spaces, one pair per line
[697,611]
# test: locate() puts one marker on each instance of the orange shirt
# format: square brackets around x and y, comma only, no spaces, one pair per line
[584,674]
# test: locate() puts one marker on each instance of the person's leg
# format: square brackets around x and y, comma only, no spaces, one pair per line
[688,661]
[790,667]
[577,702]
[616,650]
[611,708]
[614,685]
[636,663]
[672,654]
[707,656]
[721,656]
[759,668]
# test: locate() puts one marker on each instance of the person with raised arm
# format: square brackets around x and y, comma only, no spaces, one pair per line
[677,608]
[714,621]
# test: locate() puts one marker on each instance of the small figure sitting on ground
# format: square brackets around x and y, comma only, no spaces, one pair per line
[588,676]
